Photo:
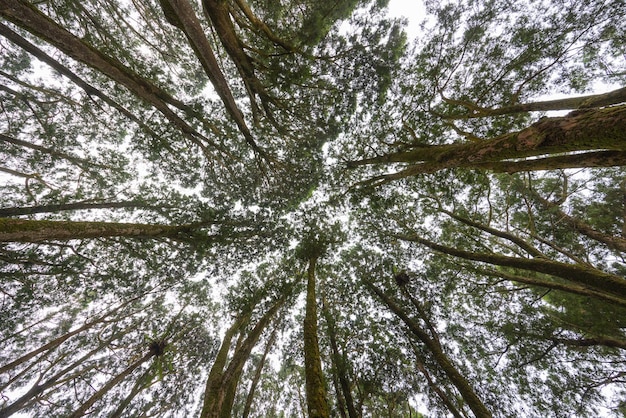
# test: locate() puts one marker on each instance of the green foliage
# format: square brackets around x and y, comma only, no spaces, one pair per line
[460,252]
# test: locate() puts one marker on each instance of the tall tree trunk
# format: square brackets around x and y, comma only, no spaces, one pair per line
[182,15]
[574,288]
[141,383]
[33,20]
[62,69]
[23,230]
[611,241]
[317,404]
[584,275]
[568,103]
[84,164]
[214,380]
[59,340]
[340,364]
[111,384]
[595,130]
[257,374]
[443,361]
[37,389]
[221,386]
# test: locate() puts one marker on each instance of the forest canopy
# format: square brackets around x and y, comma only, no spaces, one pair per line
[291,208]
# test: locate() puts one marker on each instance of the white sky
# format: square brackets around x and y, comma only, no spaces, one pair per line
[412,10]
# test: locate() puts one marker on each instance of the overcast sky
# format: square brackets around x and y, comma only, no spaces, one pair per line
[412,10]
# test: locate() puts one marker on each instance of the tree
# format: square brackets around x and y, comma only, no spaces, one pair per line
[255,208]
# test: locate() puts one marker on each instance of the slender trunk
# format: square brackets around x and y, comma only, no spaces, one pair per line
[456,378]
[62,69]
[38,389]
[340,365]
[573,288]
[317,405]
[23,230]
[595,130]
[261,26]
[219,14]
[139,385]
[33,20]
[496,232]
[611,241]
[232,374]
[257,374]
[583,275]
[80,162]
[439,392]
[579,102]
[184,17]
[58,341]
[110,384]
[221,387]
[217,370]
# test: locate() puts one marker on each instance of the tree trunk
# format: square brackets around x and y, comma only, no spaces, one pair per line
[573,288]
[60,340]
[217,370]
[611,241]
[110,384]
[62,69]
[140,384]
[568,103]
[23,230]
[596,130]
[317,405]
[38,389]
[442,360]
[223,380]
[583,275]
[186,19]
[33,20]
[340,365]
[79,162]
[257,375]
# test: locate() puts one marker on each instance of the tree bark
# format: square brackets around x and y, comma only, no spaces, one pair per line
[257,375]
[583,275]
[340,365]
[579,102]
[24,230]
[217,370]
[38,389]
[595,130]
[111,384]
[317,405]
[140,384]
[60,340]
[188,22]
[33,20]
[223,380]
[573,288]
[456,378]
[62,69]
[611,241]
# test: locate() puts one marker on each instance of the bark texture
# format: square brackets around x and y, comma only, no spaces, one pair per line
[598,136]
[443,361]
[25,230]
[317,405]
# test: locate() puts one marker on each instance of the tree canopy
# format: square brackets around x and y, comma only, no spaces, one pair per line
[291,208]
